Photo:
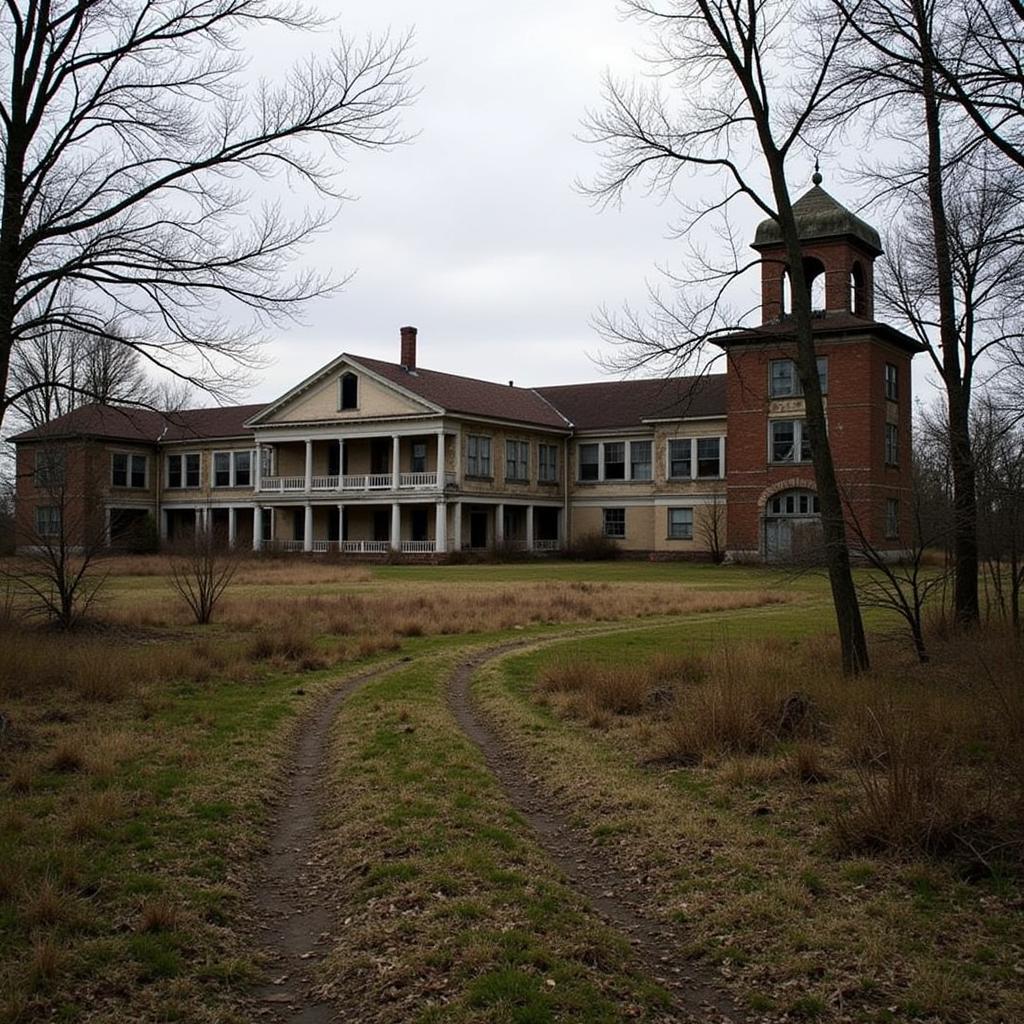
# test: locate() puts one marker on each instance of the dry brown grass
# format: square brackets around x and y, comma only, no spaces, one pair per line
[93,812]
[158,915]
[592,691]
[420,609]
[46,905]
[924,760]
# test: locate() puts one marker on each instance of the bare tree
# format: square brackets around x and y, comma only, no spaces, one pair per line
[956,285]
[999,454]
[712,529]
[905,582]
[201,571]
[7,541]
[747,79]
[60,543]
[57,372]
[131,142]
[979,58]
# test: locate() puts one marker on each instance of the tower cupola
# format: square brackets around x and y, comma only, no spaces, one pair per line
[839,251]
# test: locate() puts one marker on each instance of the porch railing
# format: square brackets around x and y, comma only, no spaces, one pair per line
[546,545]
[417,547]
[362,482]
[365,547]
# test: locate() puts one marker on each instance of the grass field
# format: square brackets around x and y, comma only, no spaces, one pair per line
[140,759]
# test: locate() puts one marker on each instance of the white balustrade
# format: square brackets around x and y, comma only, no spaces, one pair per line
[417,480]
[417,547]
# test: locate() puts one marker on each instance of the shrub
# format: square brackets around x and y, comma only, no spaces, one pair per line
[908,796]
[593,547]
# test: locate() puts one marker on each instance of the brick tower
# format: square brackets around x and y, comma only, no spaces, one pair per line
[864,367]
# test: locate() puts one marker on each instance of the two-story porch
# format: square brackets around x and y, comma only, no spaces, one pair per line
[353,465]
[406,526]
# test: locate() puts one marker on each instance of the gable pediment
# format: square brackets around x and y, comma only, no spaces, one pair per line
[319,399]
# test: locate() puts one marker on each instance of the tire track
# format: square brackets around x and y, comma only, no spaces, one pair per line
[609,890]
[292,902]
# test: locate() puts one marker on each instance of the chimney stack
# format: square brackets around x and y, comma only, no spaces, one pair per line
[409,348]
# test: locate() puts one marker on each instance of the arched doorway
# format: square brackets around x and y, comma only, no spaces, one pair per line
[792,526]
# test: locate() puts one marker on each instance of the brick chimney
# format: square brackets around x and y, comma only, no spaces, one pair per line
[409,348]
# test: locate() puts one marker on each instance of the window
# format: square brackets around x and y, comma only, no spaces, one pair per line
[690,458]
[50,467]
[418,462]
[232,469]
[680,523]
[789,441]
[517,460]
[794,503]
[547,463]
[640,460]
[709,451]
[784,382]
[615,460]
[266,461]
[892,382]
[128,470]
[680,459]
[183,470]
[478,455]
[222,469]
[892,444]
[349,388]
[47,521]
[615,522]
[607,460]
[590,462]
[892,518]
[243,469]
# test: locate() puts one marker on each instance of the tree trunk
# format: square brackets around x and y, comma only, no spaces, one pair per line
[957,379]
[852,641]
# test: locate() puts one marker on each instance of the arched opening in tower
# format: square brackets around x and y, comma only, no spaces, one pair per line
[858,294]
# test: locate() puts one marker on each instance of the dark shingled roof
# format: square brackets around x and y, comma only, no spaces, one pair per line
[468,395]
[146,425]
[823,327]
[605,405]
[819,216]
[615,404]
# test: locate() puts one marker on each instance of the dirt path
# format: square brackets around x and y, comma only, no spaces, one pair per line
[611,892]
[294,899]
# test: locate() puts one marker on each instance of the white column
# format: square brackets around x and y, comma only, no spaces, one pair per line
[341,464]
[499,525]
[441,528]
[341,526]
[309,466]
[257,470]
[457,527]
[394,460]
[307,536]
[440,459]
[165,517]
[529,527]
[396,526]
[199,521]
[232,525]
[257,528]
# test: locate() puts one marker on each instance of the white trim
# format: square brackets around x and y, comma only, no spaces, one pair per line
[327,371]
[694,475]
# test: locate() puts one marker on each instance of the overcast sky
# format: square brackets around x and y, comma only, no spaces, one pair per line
[474,232]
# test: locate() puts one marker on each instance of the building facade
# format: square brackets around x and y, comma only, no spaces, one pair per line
[368,457]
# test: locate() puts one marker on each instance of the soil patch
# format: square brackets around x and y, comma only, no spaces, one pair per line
[293,899]
[613,894]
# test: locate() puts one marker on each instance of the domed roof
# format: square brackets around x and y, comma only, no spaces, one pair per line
[819,216]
